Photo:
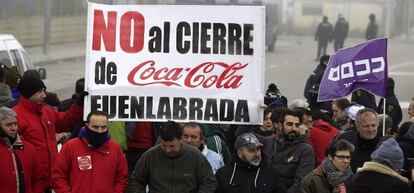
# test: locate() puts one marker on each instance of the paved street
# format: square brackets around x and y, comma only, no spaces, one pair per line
[288,67]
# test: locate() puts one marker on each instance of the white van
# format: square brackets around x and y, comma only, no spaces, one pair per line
[12,53]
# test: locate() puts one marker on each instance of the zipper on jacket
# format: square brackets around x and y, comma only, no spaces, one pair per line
[15,168]
[172,175]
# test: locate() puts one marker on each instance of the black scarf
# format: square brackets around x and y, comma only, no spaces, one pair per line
[96,139]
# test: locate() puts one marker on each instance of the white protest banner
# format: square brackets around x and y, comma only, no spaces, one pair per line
[182,63]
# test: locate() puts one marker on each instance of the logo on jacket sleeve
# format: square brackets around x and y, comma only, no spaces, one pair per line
[85,162]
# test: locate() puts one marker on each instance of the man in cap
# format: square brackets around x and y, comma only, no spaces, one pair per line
[365,138]
[248,172]
[38,123]
[380,175]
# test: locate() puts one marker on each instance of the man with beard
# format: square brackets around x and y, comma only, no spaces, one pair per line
[248,172]
[290,154]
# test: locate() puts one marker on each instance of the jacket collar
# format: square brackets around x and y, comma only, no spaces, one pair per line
[18,144]
[381,168]
[30,105]
[318,171]
[205,150]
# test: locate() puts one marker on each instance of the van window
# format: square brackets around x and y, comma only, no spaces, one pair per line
[27,61]
[4,58]
[17,60]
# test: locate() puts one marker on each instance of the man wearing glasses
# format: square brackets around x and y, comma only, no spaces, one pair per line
[334,174]
[290,154]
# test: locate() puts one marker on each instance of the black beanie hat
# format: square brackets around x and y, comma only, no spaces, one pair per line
[29,85]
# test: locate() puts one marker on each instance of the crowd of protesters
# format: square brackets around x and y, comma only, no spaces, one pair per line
[304,146]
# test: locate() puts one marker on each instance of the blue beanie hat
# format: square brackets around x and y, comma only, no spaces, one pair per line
[390,152]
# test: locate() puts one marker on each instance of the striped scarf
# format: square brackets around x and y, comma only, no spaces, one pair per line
[335,177]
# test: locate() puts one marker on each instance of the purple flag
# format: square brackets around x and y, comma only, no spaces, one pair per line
[363,66]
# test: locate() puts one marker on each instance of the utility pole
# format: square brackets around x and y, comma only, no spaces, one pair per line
[46,33]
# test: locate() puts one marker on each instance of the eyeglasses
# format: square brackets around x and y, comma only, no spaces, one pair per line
[343,157]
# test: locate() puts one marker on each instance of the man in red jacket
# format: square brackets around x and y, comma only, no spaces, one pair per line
[19,171]
[91,163]
[38,123]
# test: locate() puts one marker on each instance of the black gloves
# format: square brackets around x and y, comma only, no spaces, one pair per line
[81,98]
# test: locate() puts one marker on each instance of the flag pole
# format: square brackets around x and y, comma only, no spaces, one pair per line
[383,117]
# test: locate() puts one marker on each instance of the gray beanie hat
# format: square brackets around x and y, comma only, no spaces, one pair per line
[390,152]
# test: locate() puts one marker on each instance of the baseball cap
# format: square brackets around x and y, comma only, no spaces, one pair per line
[248,140]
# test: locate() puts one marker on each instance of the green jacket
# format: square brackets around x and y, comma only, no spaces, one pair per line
[118,133]
[215,141]
[188,172]
[316,182]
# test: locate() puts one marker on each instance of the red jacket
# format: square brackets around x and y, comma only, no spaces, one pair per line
[321,135]
[81,168]
[26,153]
[38,125]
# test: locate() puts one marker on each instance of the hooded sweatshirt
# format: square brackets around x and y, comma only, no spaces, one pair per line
[239,176]
[321,135]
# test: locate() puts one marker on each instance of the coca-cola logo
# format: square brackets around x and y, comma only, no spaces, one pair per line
[206,75]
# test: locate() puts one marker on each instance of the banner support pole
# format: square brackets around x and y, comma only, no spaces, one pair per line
[383,119]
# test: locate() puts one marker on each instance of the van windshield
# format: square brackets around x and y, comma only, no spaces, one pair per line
[28,61]
[17,60]
[4,58]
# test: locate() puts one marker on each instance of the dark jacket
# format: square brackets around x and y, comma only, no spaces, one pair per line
[406,143]
[311,90]
[215,141]
[393,108]
[372,31]
[187,172]
[317,182]
[363,148]
[364,98]
[64,106]
[378,178]
[293,160]
[324,32]
[241,177]
[341,29]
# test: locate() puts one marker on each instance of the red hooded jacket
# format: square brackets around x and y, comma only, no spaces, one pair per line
[321,135]
[81,168]
[26,153]
[38,125]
